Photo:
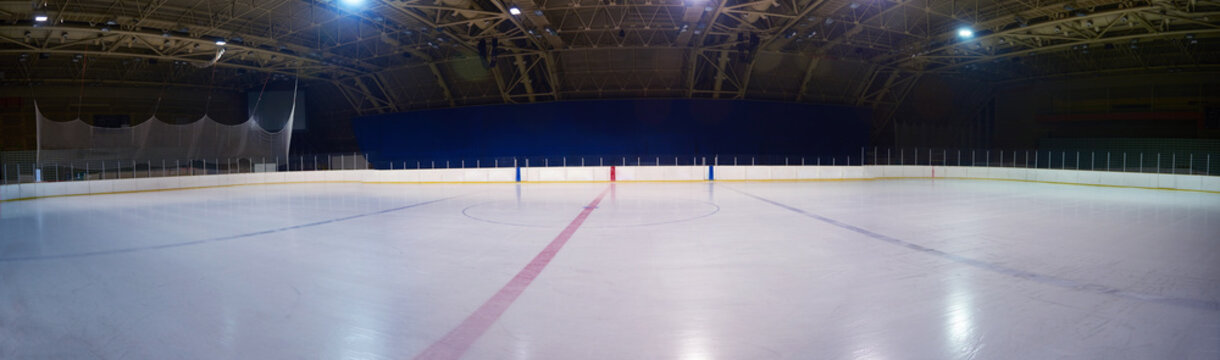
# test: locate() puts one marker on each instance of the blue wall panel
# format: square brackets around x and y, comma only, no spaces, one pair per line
[645,127]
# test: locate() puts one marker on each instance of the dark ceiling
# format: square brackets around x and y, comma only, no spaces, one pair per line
[391,55]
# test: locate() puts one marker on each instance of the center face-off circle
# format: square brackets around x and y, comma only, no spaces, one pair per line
[610,212]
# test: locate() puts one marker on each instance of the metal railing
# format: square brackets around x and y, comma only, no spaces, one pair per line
[12,172]
[1145,162]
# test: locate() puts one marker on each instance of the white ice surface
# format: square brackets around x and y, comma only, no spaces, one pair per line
[899,269]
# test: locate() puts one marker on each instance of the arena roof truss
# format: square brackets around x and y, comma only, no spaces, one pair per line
[394,55]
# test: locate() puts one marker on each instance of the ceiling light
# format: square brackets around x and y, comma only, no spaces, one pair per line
[40,17]
[221,42]
[514,10]
[353,2]
[965,33]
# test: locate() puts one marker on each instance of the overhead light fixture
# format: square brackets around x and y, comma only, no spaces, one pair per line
[353,2]
[514,10]
[965,33]
[221,42]
[40,17]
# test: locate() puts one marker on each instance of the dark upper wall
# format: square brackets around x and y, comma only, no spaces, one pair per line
[1161,105]
[959,113]
[940,111]
[644,127]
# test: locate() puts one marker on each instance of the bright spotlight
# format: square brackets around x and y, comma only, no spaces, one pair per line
[514,10]
[965,33]
[221,42]
[40,17]
[353,2]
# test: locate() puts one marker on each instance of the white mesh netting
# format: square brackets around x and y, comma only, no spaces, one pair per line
[155,140]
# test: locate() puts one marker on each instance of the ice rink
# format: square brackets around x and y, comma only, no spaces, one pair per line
[889,269]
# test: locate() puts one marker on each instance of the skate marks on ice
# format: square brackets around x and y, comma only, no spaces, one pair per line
[1200,304]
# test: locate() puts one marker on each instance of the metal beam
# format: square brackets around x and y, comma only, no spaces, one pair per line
[813,64]
[769,40]
[525,78]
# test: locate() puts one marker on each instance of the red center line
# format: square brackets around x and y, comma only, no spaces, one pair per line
[458,340]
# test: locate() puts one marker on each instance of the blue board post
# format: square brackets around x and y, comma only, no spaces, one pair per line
[711,173]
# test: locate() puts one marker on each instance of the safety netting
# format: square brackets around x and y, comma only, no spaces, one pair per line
[154,140]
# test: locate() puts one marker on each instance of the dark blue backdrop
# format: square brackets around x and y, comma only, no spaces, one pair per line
[643,127]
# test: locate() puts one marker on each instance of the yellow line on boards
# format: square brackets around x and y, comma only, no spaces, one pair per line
[432,182]
[798,180]
[595,182]
[1077,184]
[179,188]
